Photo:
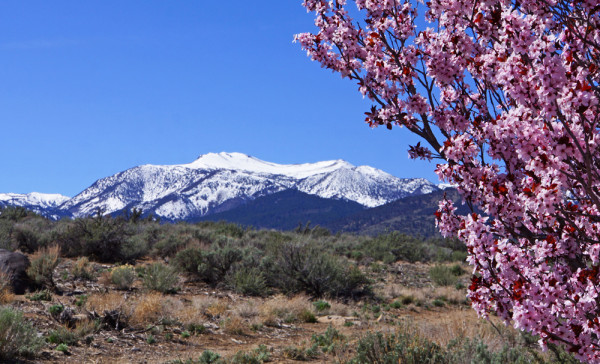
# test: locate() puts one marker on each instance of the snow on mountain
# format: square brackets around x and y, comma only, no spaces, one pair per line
[243,162]
[46,204]
[217,182]
[33,199]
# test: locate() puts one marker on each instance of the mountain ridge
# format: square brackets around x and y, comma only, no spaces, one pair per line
[217,182]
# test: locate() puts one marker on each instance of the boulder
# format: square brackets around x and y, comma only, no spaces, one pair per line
[15,266]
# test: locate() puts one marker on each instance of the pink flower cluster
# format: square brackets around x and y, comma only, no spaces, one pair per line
[507,94]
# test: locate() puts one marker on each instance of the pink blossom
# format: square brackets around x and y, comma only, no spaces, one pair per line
[507,95]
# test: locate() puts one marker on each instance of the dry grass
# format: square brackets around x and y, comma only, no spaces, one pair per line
[85,327]
[442,328]
[281,308]
[6,295]
[148,309]
[199,309]
[106,302]
[188,315]
[234,325]
[247,309]
[43,262]
[82,268]
[211,307]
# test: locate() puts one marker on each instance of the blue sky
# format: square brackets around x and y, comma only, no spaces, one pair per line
[91,88]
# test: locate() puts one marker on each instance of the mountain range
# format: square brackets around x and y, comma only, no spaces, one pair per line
[234,187]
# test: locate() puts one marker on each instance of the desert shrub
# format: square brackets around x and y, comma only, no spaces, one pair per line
[257,356]
[443,275]
[321,306]
[328,340]
[17,336]
[62,335]
[56,310]
[307,316]
[15,213]
[227,229]
[303,267]
[83,269]
[26,239]
[248,281]
[187,260]
[215,266]
[134,247]
[216,263]
[42,266]
[161,278]
[395,246]
[43,295]
[123,276]
[6,232]
[459,256]
[378,348]
[101,238]
[168,245]
[457,270]
[465,350]
[209,357]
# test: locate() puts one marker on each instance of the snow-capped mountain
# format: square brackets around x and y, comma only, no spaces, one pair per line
[46,204]
[217,182]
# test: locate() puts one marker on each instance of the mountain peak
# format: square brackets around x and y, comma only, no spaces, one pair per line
[244,162]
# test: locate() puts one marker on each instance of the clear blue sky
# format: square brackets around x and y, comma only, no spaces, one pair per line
[91,88]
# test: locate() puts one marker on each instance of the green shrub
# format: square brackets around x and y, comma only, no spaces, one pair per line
[216,263]
[396,304]
[56,310]
[397,348]
[150,339]
[442,275]
[161,278]
[123,276]
[307,316]
[328,340]
[457,270]
[249,281]
[17,336]
[62,335]
[195,329]
[62,348]
[209,357]
[321,305]
[44,295]
[187,260]
[438,302]
[459,256]
[102,238]
[475,351]
[307,267]
[257,356]
[26,238]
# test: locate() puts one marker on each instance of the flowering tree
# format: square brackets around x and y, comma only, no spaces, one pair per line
[507,93]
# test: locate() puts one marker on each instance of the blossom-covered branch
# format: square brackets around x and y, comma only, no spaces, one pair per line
[506,92]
